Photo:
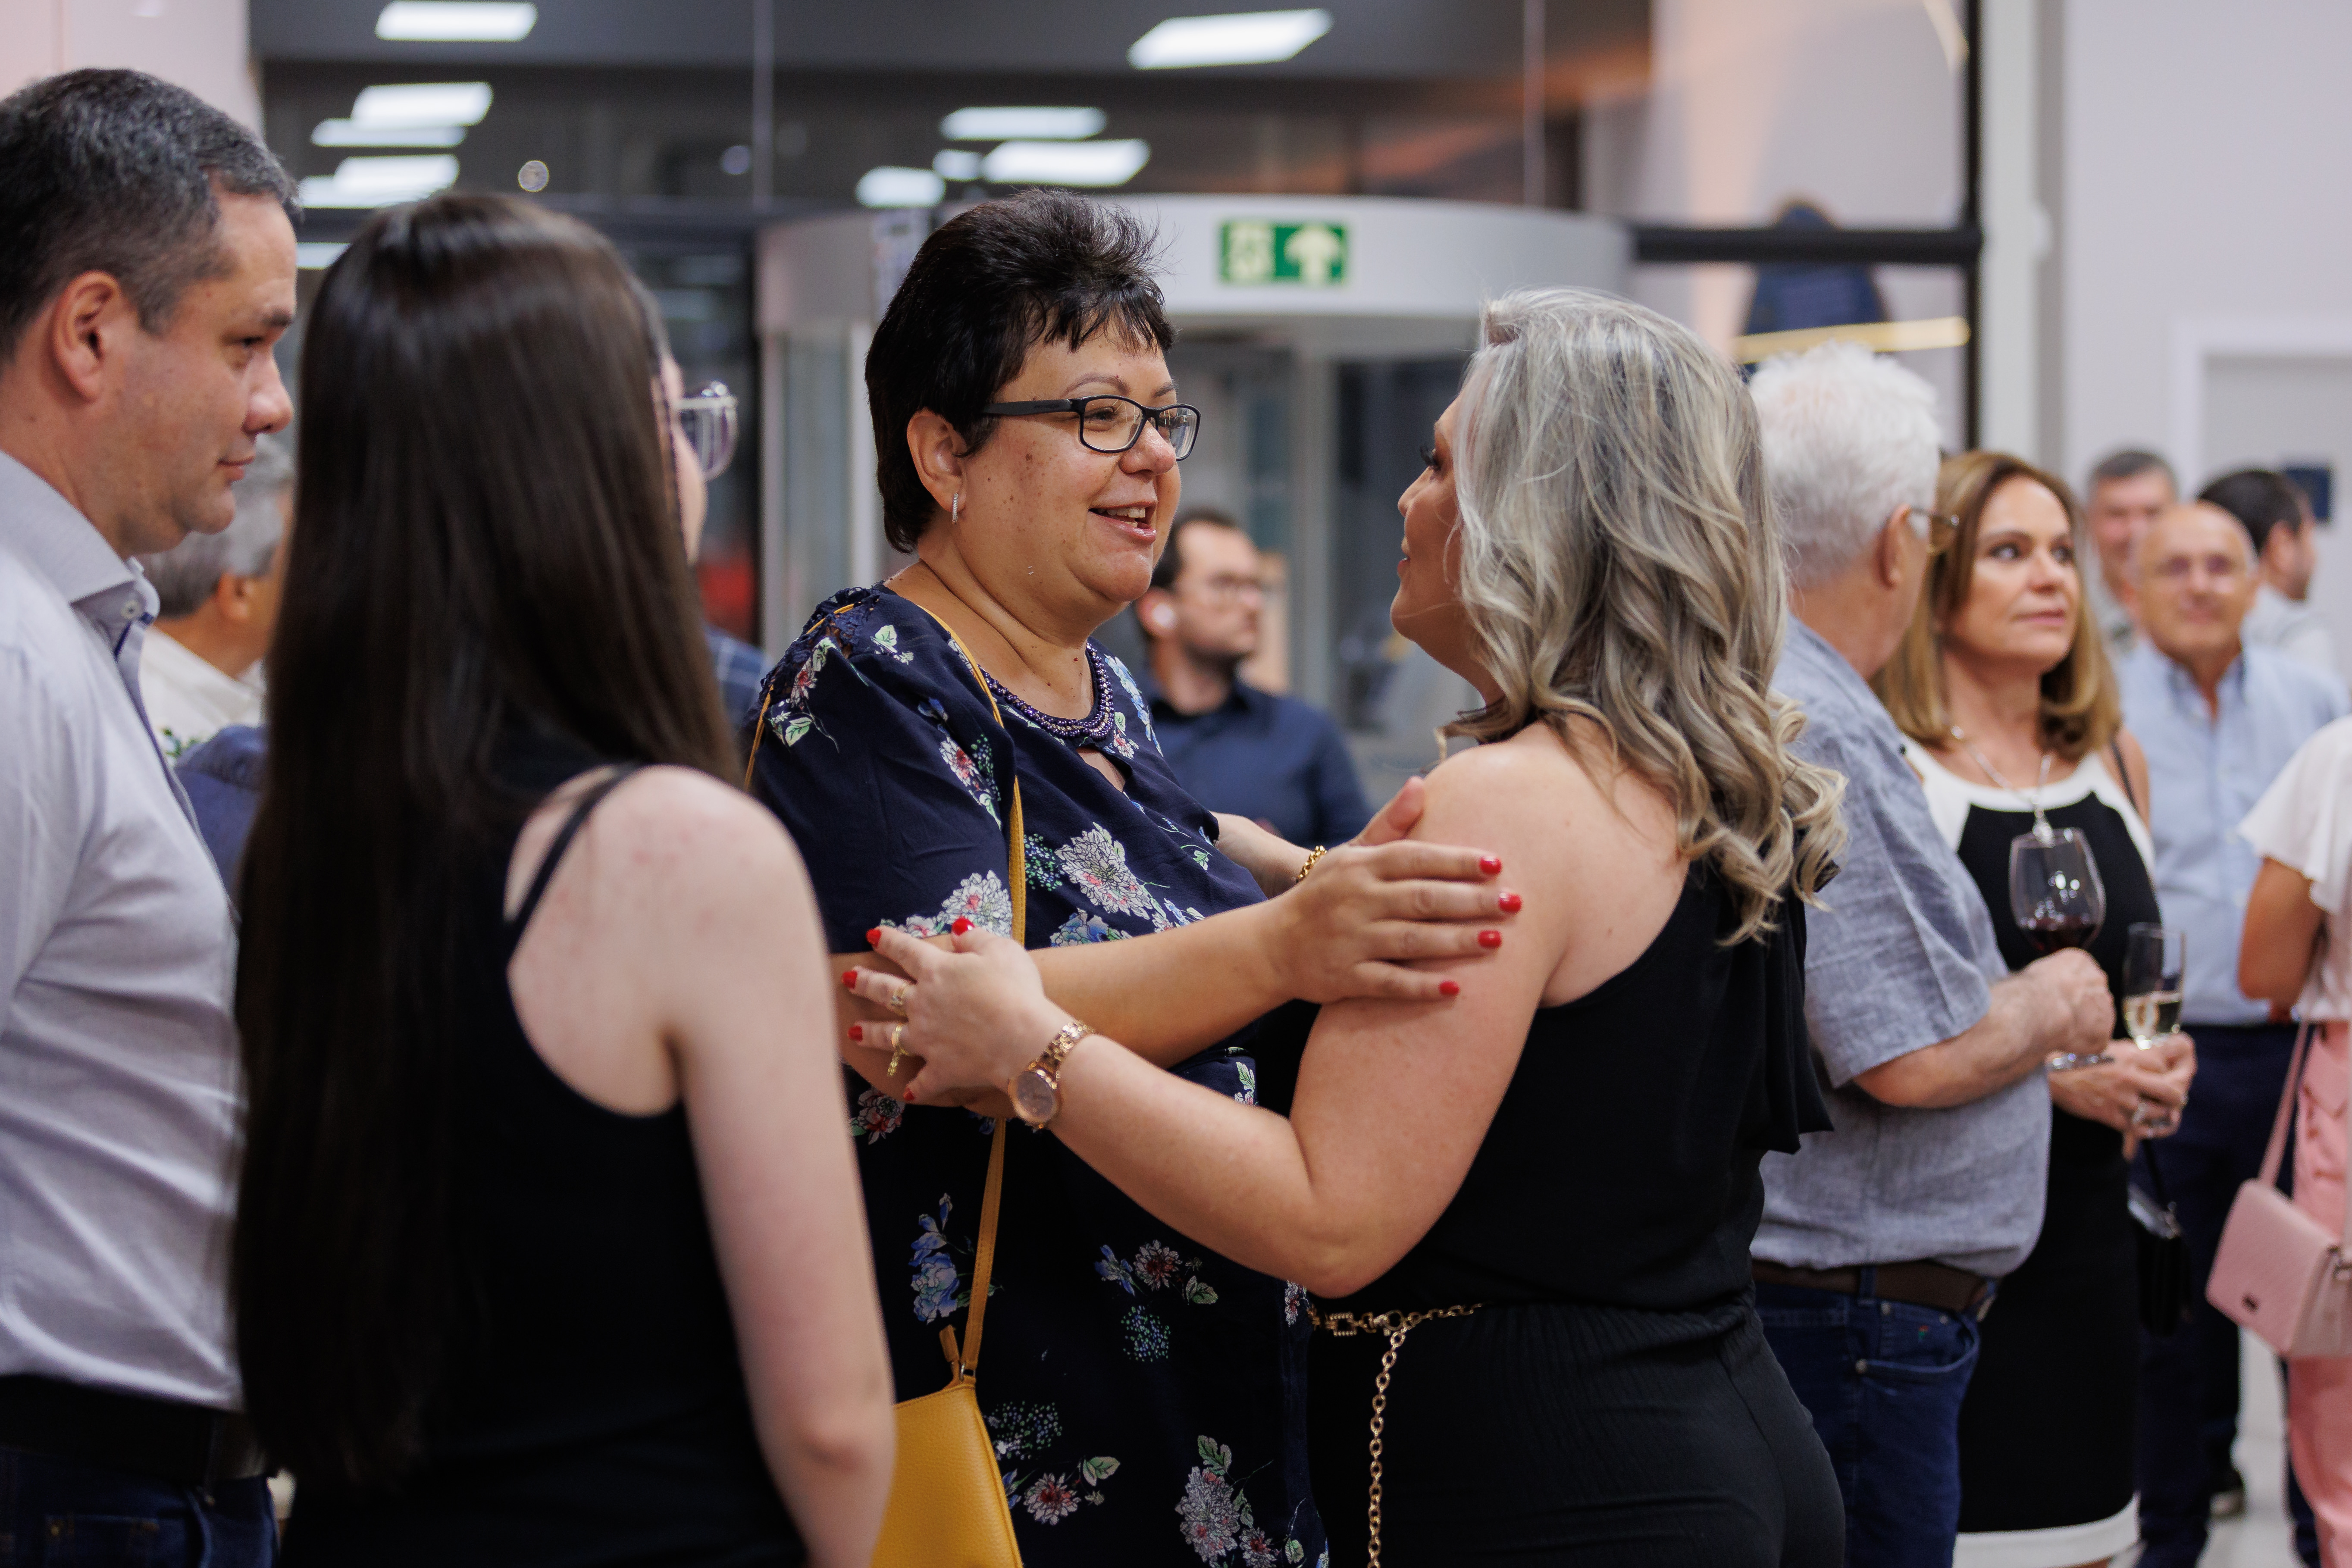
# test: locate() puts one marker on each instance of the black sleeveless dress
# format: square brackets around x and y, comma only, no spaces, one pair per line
[2048,1429]
[1612,1400]
[593,1411]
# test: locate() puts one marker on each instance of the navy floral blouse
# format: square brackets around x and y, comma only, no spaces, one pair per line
[1147,1397]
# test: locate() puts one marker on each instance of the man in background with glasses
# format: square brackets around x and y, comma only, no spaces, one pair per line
[2219,720]
[1255,754]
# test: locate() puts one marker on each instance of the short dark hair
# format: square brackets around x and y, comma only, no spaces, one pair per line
[2130,463]
[2261,498]
[1170,564]
[112,171]
[991,284]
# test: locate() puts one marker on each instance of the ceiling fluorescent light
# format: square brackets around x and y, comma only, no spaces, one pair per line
[1064,163]
[380,182]
[1031,124]
[312,255]
[351,133]
[893,187]
[422,103]
[957,164]
[455,22]
[1245,38]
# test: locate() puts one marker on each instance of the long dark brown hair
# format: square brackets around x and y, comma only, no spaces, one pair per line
[485,544]
[2081,707]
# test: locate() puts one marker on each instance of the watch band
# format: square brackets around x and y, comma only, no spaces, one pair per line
[1049,1061]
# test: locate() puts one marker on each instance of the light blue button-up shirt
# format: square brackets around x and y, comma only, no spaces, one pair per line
[2205,771]
[117,1050]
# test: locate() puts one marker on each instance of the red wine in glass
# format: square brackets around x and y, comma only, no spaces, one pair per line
[2048,933]
[2055,892]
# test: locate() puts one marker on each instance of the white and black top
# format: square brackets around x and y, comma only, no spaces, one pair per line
[2048,1426]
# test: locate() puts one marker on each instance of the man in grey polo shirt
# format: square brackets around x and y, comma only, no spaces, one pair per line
[146,270]
[1881,1241]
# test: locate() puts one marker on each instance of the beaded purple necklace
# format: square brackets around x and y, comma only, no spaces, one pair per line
[1093,729]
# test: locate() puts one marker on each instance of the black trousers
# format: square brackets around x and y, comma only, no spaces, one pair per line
[2189,1381]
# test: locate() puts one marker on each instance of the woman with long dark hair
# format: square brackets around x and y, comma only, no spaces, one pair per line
[542,1147]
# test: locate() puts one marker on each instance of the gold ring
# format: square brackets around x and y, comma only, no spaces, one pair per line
[897,1049]
[896,1000]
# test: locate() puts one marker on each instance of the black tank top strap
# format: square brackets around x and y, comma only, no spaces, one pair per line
[562,841]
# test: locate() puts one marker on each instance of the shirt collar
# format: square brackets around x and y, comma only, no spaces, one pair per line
[64,546]
[2229,692]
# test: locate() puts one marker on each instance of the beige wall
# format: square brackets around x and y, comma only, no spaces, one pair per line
[199,44]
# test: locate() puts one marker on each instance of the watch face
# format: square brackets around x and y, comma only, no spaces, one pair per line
[1035,1098]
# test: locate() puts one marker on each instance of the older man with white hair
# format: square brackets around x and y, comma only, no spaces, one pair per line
[216,605]
[1881,1243]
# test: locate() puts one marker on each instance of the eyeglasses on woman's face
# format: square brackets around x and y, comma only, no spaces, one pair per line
[707,423]
[1112,425]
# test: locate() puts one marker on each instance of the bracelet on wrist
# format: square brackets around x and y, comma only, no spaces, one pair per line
[1312,856]
[2068,1061]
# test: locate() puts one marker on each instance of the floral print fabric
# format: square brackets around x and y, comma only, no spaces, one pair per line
[1147,1397]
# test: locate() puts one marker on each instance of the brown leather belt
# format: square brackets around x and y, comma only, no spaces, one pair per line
[1936,1285]
[185,1445]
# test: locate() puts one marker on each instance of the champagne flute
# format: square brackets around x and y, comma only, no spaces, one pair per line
[2054,890]
[2153,959]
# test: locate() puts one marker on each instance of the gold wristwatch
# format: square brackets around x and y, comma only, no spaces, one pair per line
[1036,1089]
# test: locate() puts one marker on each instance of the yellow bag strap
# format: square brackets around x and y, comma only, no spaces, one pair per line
[966,1357]
[1017,868]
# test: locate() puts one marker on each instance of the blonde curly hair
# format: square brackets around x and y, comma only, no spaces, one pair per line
[1619,562]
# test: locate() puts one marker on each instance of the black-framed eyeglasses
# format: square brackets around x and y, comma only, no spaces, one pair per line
[1112,425]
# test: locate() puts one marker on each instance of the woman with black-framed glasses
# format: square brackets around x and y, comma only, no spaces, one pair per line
[1146,1397]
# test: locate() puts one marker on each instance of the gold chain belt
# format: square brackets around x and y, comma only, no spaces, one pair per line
[1395,1325]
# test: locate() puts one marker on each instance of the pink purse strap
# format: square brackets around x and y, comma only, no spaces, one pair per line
[2276,1154]
[2277,1150]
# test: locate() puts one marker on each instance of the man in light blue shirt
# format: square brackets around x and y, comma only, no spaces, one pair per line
[2218,720]
[147,271]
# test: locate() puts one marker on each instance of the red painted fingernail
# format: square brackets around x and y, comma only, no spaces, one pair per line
[1491,864]
[874,936]
[962,925]
[1490,938]
[849,979]
[857,1031]
[1508,903]
[908,1094]
[1449,988]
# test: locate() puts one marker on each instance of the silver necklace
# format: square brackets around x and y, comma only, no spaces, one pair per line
[2032,798]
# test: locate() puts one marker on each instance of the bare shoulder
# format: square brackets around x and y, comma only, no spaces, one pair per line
[683,834]
[1575,813]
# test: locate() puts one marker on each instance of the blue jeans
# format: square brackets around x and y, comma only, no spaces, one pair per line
[1883,1381]
[56,1512]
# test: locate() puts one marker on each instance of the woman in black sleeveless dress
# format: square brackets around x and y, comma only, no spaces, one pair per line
[540,1169]
[2004,688]
[1526,1207]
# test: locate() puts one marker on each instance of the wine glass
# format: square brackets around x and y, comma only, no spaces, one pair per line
[2155,957]
[2055,889]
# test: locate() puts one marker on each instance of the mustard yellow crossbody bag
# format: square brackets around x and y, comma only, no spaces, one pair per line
[948,1507]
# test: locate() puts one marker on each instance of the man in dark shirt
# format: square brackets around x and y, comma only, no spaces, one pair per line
[1254,753]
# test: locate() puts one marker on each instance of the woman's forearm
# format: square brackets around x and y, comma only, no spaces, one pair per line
[1169,994]
[1184,1152]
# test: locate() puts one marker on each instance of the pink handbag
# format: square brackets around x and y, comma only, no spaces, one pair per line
[2278,1271]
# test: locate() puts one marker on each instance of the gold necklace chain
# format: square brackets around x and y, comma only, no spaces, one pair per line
[1395,1325]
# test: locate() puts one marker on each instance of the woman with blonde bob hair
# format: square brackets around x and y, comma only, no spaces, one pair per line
[2002,684]
[1547,1176]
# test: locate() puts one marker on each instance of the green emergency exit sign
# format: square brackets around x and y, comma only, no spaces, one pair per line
[1258,250]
